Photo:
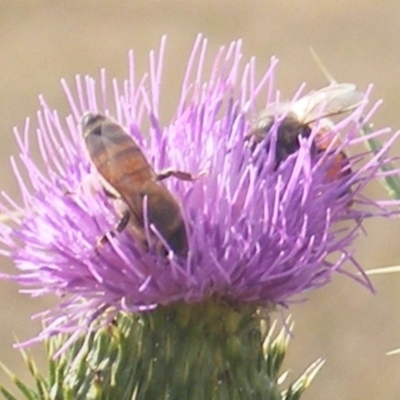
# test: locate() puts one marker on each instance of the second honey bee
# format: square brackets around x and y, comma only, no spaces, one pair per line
[126,174]
[298,123]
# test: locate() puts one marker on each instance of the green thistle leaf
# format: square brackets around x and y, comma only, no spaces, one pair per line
[390,181]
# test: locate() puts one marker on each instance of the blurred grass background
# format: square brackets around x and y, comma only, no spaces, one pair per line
[359,41]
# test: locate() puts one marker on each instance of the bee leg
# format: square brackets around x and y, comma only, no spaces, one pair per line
[119,227]
[111,194]
[123,222]
[182,175]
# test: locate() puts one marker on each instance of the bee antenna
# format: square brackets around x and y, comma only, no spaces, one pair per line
[322,67]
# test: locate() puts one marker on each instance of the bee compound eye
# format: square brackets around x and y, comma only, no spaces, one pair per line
[89,118]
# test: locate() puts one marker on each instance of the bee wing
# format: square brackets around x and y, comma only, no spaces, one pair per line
[328,101]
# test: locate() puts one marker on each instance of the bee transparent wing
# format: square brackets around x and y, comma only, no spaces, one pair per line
[326,102]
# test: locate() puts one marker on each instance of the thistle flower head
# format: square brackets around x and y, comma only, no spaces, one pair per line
[258,231]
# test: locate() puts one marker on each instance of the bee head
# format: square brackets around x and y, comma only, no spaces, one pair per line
[90,121]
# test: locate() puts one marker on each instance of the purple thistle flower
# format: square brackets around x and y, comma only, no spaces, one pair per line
[257,234]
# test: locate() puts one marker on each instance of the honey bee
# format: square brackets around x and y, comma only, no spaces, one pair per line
[298,122]
[127,175]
